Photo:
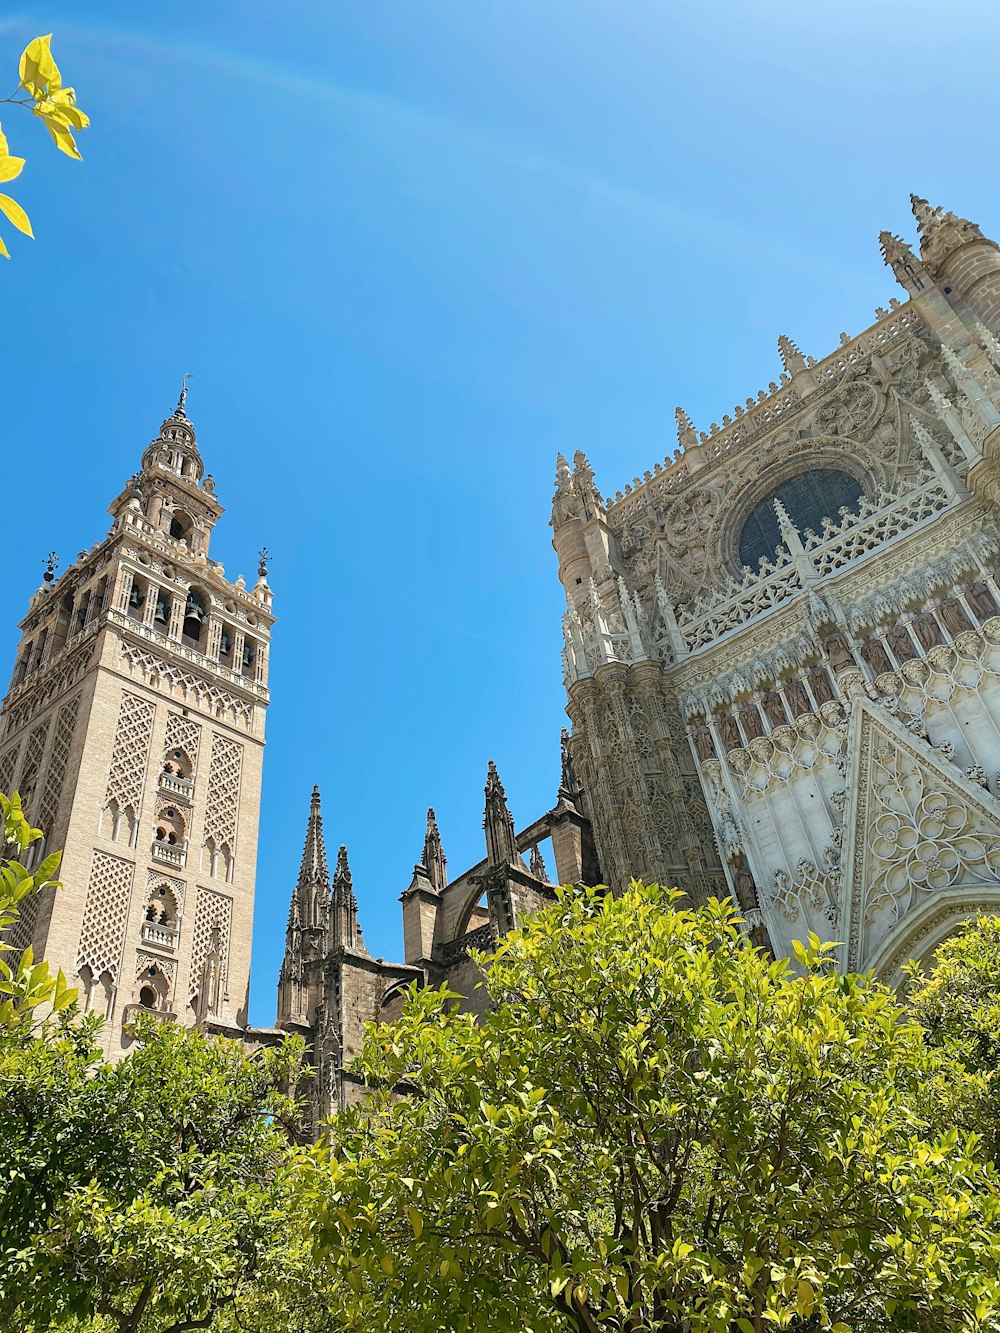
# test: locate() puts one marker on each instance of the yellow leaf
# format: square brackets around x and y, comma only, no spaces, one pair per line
[38,69]
[3,249]
[10,167]
[805,1298]
[16,214]
[64,141]
[416,1222]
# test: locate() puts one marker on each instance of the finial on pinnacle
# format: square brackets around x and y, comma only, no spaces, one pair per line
[182,398]
[922,211]
[51,563]
[791,357]
[315,795]
[686,434]
[784,518]
[264,558]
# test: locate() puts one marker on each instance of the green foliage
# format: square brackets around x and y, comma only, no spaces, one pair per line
[654,1128]
[150,1194]
[26,985]
[958,1005]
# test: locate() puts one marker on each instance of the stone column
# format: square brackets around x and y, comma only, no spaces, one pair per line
[175,628]
[123,589]
[149,607]
[214,638]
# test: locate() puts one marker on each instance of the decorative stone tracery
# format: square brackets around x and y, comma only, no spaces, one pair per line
[105,916]
[130,755]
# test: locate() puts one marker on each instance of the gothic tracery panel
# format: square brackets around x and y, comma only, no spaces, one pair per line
[921,828]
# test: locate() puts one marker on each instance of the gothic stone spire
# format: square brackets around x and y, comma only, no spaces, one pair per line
[344,929]
[313,869]
[536,865]
[501,845]
[433,859]
[308,906]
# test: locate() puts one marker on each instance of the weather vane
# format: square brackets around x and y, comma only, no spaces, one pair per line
[51,562]
[264,556]
[184,391]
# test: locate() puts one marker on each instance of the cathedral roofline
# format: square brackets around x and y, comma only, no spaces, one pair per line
[767,408]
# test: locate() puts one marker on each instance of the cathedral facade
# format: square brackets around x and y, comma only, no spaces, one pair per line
[782,645]
[782,664]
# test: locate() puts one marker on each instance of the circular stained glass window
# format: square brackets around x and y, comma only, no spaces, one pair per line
[809,498]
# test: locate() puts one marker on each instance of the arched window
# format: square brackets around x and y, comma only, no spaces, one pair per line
[152,989]
[177,764]
[161,906]
[181,525]
[171,827]
[809,498]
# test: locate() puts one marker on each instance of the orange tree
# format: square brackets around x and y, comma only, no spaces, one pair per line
[655,1129]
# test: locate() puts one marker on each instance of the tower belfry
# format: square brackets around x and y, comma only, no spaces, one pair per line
[134,730]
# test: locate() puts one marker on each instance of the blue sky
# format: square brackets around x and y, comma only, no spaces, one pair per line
[409,249]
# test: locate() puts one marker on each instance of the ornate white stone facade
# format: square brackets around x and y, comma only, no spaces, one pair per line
[820,735]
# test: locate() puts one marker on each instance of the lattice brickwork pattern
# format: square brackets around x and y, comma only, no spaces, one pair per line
[213,911]
[8,763]
[130,756]
[170,678]
[105,915]
[182,734]
[223,792]
[58,759]
[32,759]
[21,933]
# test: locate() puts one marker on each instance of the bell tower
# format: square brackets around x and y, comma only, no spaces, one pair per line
[134,730]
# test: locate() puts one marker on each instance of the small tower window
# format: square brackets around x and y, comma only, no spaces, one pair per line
[161,908]
[153,989]
[181,525]
[162,614]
